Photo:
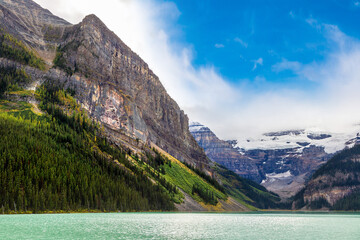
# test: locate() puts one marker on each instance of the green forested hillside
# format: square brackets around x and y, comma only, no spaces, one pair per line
[53,162]
[59,161]
[339,176]
[11,78]
[247,191]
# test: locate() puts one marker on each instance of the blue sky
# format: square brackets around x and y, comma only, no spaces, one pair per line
[244,67]
[234,35]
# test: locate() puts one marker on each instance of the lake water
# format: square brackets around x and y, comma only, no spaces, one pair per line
[180,226]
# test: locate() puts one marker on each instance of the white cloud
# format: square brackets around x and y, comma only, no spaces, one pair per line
[239,40]
[232,111]
[338,80]
[219,45]
[257,62]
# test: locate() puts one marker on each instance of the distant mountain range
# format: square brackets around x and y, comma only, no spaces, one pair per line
[280,161]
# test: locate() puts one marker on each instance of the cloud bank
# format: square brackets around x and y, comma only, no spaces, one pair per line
[233,111]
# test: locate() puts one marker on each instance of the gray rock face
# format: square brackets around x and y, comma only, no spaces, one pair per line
[285,171]
[113,83]
[32,24]
[283,133]
[318,136]
[32,14]
[224,153]
[118,89]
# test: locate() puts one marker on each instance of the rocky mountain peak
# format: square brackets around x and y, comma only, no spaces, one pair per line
[31,14]
[94,20]
[111,82]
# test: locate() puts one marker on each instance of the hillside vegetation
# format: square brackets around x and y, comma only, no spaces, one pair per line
[16,50]
[55,158]
[335,185]
[59,161]
[54,162]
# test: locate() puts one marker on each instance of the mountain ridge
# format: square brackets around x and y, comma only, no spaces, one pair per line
[281,170]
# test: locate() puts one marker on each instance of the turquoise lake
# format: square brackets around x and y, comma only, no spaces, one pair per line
[180,226]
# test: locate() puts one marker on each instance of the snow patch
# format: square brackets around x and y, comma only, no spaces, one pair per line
[279,175]
[197,127]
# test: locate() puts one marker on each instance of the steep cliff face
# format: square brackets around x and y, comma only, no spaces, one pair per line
[117,88]
[333,185]
[113,83]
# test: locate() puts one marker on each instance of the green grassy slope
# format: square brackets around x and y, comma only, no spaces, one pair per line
[184,177]
[246,191]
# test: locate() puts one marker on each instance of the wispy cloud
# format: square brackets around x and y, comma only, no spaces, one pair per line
[219,45]
[287,65]
[356,3]
[239,40]
[257,62]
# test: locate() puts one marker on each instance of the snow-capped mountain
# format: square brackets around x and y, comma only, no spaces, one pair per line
[300,139]
[281,161]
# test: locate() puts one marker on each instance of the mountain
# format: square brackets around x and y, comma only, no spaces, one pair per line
[89,108]
[281,161]
[335,185]
[224,152]
[127,97]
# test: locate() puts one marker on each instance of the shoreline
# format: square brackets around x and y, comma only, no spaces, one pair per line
[272,211]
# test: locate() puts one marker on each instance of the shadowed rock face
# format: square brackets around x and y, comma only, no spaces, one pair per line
[113,83]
